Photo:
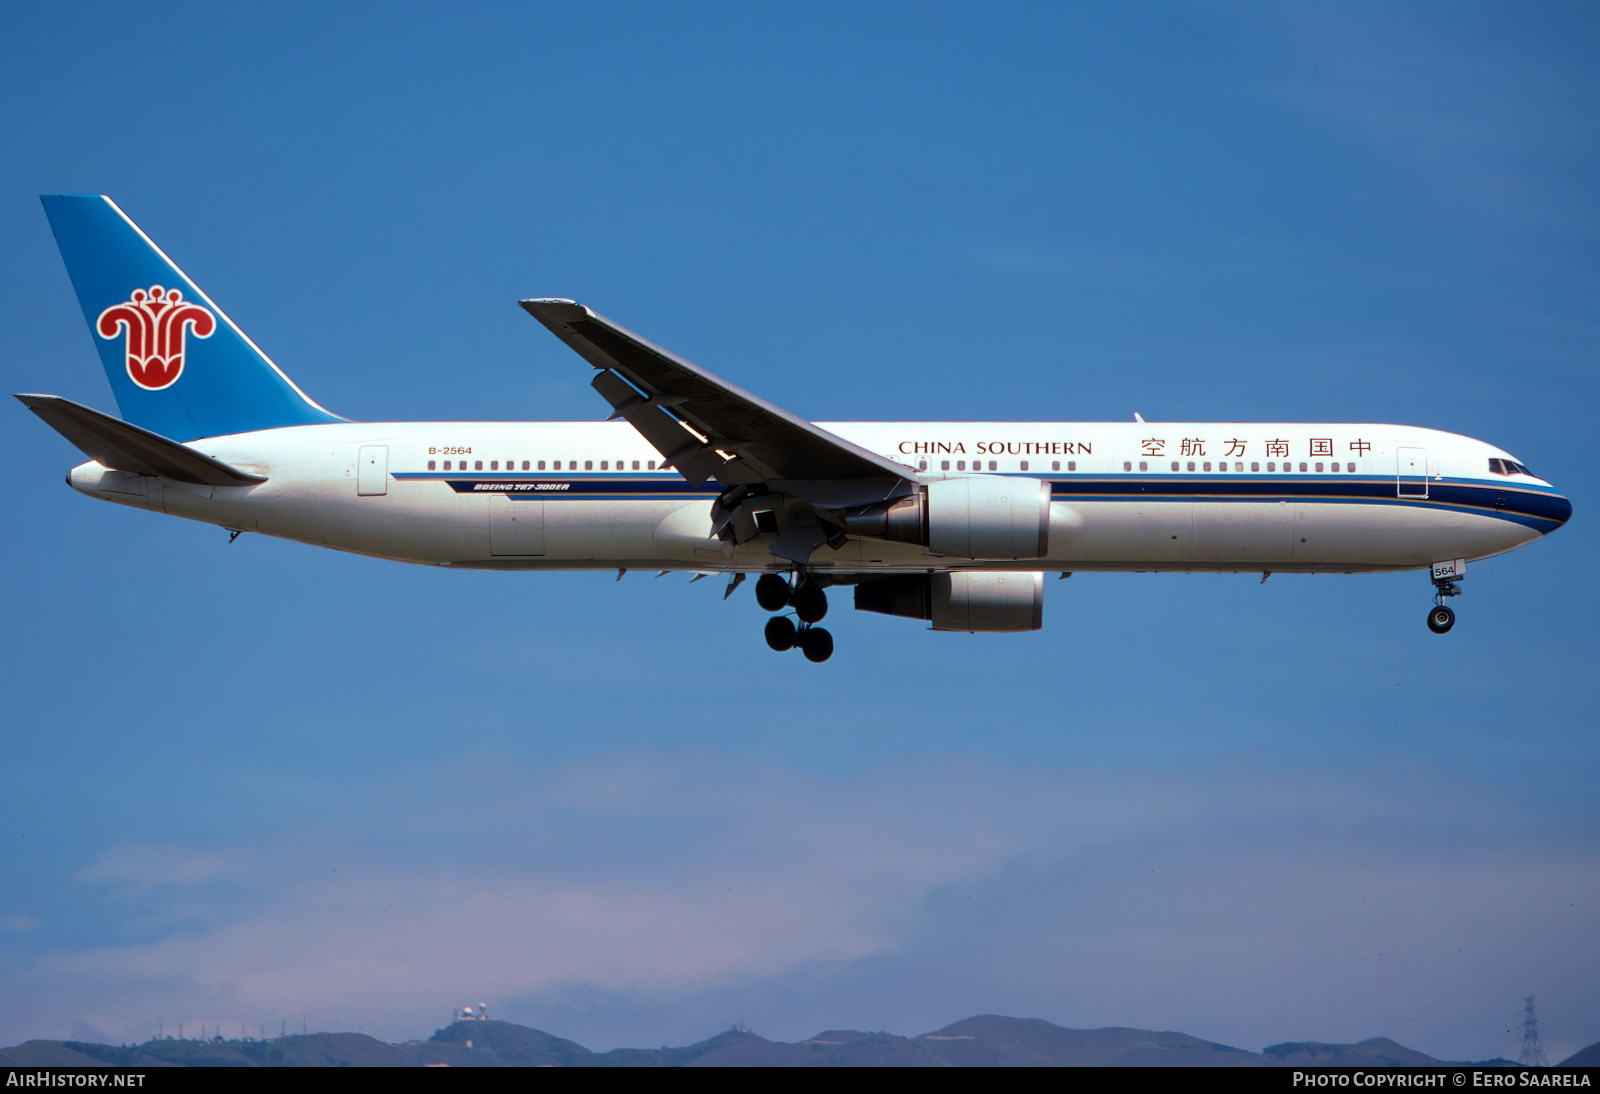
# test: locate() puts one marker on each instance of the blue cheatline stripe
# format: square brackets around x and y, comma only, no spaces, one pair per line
[1539,508]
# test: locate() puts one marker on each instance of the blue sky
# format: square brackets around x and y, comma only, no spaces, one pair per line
[261,782]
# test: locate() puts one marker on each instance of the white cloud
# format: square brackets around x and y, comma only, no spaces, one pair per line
[678,892]
[147,866]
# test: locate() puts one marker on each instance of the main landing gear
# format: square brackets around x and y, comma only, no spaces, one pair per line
[1445,578]
[810,604]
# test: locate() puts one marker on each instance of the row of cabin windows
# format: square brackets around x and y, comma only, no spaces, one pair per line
[1505,467]
[994,465]
[1144,464]
[555,465]
[1222,465]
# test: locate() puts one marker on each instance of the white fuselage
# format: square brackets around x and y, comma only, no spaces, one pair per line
[1125,496]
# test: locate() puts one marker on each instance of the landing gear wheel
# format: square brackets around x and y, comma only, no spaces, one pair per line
[815,643]
[1441,619]
[772,593]
[810,603]
[780,633]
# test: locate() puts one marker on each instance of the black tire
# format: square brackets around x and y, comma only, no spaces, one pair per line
[1441,619]
[780,633]
[772,593]
[810,603]
[816,644]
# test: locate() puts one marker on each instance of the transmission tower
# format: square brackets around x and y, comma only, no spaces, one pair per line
[1532,1054]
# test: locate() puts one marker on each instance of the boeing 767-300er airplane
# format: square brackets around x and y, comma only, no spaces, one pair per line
[951,522]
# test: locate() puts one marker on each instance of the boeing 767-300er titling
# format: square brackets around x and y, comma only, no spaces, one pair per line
[951,522]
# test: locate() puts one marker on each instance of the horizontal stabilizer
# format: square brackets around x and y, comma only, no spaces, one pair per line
[119,446]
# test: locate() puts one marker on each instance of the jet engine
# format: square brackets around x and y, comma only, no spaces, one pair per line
[1012,601]
[980,517]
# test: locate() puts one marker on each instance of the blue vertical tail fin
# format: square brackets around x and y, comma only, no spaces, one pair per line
[178,365]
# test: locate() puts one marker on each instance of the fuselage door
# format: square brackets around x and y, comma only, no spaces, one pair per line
[372,471]
[1413,477]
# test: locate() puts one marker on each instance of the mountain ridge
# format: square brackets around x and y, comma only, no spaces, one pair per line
[985,1040]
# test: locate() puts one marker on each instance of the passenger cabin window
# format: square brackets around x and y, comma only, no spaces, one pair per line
[1319,467]
[1271,466]
[1350,467]
[494,465]
[944,465]
[1206,466]
[430,465]
[1302,467]
[477,465]
[1127,465]
[993,466]
[1055,465]
[1072,465]
[1254,467]
[1024,465]
[1144,466]
[588,465]
[605,465]
[1191,465]
[1174,465]
[652,465]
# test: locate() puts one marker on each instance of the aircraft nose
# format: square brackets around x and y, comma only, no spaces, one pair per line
[1556,508]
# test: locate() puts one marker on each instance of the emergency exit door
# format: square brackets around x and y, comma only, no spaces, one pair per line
[372,471]
[1412,481]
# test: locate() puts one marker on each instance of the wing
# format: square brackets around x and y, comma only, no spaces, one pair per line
[119,446]
[715,428]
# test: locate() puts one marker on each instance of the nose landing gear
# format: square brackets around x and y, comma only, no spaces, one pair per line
[1445,578]
[810,604]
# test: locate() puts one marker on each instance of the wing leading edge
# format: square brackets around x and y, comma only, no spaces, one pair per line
[706,426]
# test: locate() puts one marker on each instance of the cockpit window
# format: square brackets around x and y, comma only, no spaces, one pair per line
[1509,467]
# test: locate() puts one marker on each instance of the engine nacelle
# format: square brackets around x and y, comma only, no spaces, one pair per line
[986,516]
[995,602]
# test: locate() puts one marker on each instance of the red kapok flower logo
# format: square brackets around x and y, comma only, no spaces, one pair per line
[156,323]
